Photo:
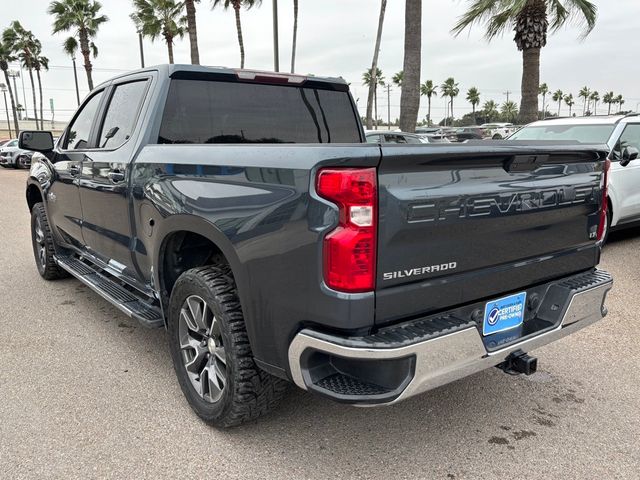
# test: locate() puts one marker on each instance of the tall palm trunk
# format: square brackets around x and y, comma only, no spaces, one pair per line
[193,33]
[13,103]
[375,104]
[294,43]
[236,8]
[452,117]
[33,96]
[544,106]
[169,40]
[410,97]
[373,81]
[530,83]
[86,54]
[40,92]
[429,111]
[609,113]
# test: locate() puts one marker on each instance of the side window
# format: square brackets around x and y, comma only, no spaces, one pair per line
[373,138]
[390,138]
[122,113]
[629,138]
[77,137]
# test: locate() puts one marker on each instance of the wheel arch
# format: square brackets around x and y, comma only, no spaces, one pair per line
[176,226]
[33,193]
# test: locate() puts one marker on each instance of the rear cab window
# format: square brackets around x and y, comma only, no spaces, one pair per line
[217,112]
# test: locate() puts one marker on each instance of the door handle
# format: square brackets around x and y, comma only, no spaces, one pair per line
[116,176]
[74,169]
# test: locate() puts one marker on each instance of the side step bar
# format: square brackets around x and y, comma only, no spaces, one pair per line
[135,306]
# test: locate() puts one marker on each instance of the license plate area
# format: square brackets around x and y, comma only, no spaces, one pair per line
[504,314]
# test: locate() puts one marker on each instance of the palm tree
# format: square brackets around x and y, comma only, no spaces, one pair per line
[373,81]
[237,5]
[473,97]
[558,96]
[543,90]
[510,110]
[531,20]
[595,98]
[585,94]
[83,18]
[411,64]
[398,77]
[609,99]
[373,85]
[23,43]
[294,42]
[429,90]
[450,89]
[490,109]
[39,63]
[6,57]
[160,18]
[193,30]
[568,99]
[70,47]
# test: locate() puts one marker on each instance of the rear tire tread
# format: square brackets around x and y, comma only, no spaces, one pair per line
[256,392]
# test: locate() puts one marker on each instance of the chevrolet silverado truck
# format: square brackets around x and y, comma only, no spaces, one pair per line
[244,212]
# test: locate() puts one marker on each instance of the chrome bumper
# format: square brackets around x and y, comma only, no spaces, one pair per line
[452,356]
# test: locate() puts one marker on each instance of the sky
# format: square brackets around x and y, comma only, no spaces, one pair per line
[336,38]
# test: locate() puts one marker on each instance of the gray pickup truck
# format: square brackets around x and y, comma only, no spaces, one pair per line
[244,212]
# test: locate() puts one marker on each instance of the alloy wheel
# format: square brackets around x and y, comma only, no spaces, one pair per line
[203,353]
[41,245]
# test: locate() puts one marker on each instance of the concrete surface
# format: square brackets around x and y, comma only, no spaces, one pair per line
[86,393]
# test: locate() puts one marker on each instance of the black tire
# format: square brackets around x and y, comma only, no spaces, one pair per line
[248,392]
[21,161]
[43,245]
[497,136]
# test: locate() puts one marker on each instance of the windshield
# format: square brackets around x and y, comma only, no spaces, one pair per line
[575,133]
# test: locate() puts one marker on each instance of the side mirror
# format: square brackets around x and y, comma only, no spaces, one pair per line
[629,154]
[36,140]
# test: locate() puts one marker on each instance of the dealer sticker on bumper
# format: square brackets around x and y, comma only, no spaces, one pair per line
[504,314]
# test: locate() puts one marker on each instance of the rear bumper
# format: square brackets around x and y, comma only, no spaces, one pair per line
[402,361]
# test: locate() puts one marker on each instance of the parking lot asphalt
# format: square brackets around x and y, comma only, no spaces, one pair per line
[87,393]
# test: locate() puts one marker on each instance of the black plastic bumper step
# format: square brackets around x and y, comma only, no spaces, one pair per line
[349,386]
[126,300]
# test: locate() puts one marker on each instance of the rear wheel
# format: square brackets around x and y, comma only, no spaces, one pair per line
[44,245]
[497,136]
[211,352]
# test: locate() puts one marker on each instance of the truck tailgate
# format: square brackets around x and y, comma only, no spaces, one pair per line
[458,224]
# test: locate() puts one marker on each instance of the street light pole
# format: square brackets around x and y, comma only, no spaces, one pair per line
[276,49]
[3,87]
[388,107]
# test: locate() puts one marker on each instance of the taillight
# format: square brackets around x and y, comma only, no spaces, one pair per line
[349,250]
[605,204]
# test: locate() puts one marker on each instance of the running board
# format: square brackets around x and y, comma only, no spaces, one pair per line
[126,300]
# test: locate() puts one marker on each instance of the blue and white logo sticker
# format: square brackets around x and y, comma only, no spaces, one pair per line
[504,314]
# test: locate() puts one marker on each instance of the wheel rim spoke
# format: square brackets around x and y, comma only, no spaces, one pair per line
[203,353]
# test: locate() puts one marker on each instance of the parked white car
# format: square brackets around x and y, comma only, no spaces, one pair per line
[622,135]
[12,156]
[498,131]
